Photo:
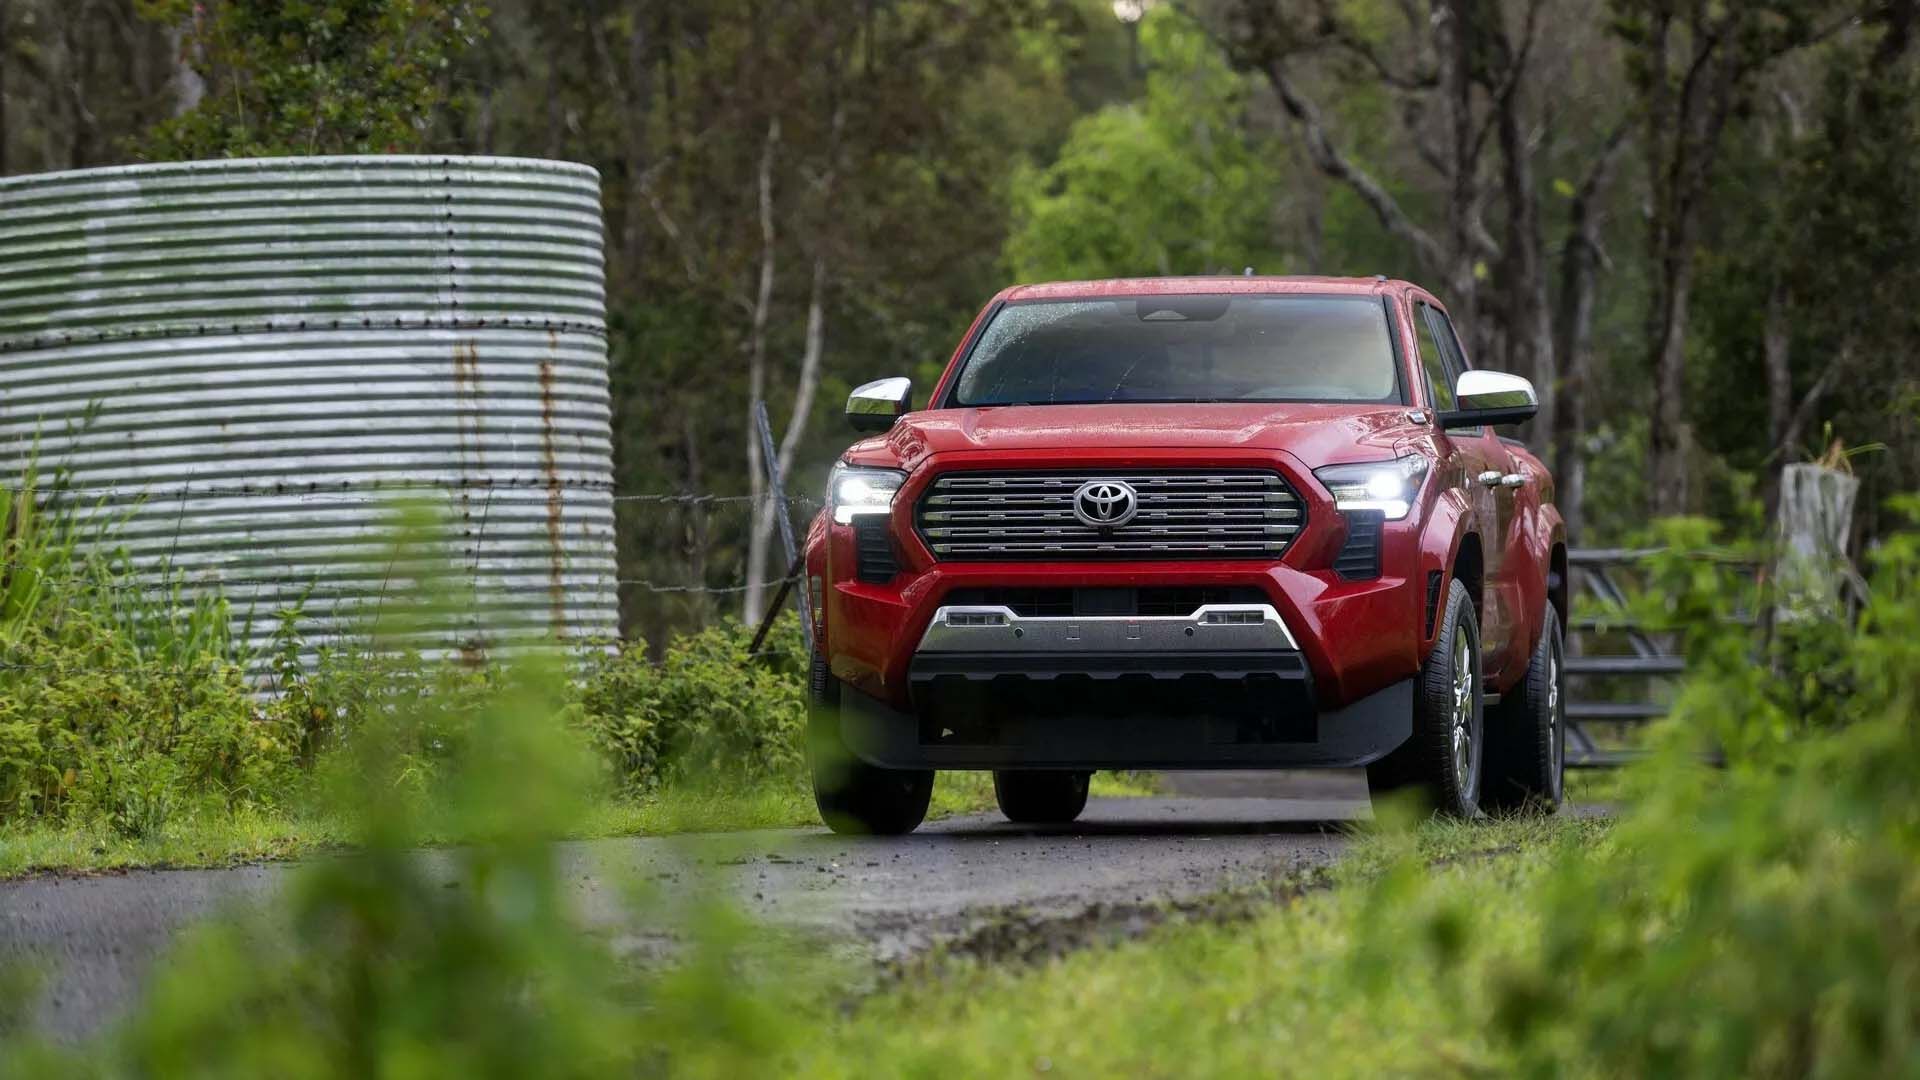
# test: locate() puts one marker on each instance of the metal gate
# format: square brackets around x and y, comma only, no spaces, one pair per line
[1649,656]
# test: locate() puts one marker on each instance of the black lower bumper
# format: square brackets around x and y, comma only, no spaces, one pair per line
[1122,712]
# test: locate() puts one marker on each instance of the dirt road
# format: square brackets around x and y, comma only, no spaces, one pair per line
[95,938]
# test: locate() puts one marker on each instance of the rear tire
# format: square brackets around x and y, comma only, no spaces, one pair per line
[1527,732]
[1033,797]
[1442,761]
[853,796]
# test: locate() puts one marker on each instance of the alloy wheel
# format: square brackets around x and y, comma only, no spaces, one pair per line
[1464,736]
[1556,720]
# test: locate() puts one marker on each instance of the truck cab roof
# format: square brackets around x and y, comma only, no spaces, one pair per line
[1180,286]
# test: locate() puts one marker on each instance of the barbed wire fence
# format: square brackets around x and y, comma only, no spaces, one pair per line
[803,508]
[162,582]
[800,509]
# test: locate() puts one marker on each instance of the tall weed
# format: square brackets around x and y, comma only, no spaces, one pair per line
[121,696]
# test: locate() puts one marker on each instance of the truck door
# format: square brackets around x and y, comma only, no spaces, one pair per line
[1487,463]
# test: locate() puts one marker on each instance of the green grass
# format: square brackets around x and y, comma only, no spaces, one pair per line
[244,836]
[1595,785]
[1308,986]
[257,836]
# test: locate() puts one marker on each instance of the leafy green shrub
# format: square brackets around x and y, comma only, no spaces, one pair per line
[708,709]
[132,741]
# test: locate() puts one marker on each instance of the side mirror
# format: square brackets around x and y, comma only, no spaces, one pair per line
[875,406]
[1490,397]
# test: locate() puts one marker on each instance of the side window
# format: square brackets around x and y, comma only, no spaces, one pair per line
[1439,377]
[1455,358]
[1450,344]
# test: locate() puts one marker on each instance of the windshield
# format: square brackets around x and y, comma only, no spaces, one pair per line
[1183,348]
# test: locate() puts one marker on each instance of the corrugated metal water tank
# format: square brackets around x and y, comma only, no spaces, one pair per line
[250,360]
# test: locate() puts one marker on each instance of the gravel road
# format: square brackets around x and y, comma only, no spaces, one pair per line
[95,937]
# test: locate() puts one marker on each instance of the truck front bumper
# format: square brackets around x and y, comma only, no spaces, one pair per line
[975,643]
[1223,686]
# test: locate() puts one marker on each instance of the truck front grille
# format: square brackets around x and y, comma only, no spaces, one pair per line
[1179,514]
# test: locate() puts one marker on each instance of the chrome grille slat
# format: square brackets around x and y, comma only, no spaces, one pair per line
[1210,514]
[1025,513]
[962,517]
[961,483]
[1160,499]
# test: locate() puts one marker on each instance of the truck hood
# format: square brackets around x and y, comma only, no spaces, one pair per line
[1316,434]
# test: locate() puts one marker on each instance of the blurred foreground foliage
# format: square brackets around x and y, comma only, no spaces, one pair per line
[388,962]
[1756,919]
[1752,919]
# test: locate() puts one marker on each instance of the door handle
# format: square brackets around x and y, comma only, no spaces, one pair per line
[1491,478]
[1513,480]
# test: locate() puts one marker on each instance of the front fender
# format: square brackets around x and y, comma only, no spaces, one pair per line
[1448,522]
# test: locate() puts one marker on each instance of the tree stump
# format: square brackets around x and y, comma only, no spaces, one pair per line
[1815,521]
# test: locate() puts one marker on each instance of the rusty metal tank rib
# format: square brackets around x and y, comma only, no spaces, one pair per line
[248,360]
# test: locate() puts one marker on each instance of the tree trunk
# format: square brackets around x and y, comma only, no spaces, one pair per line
[1337,166]
[807,385]
[1573,334]
[1669,442]
[77,76]
[696,512]
[1776,341]
[1455,49]
[1448,254]
[1801,418]
[1530,344]
[758,528]
[809,382]
[1684,130]
[189,89]
[639,112]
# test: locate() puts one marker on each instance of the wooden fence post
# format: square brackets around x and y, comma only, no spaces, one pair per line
[1813,576]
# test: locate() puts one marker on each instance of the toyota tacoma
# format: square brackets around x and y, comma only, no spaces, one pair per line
[1189,523]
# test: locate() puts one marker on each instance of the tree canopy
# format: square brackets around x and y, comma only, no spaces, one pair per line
[1691,224]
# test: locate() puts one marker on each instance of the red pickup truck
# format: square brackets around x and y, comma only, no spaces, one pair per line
[1189,523]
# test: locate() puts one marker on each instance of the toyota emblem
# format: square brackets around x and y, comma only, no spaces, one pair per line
[1105,504]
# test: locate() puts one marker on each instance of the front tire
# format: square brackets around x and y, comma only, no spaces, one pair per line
[1034,797]
[1442,760]
[853,796]
[1527,732]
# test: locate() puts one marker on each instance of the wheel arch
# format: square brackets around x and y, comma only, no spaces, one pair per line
[1558,583]
[1469,568]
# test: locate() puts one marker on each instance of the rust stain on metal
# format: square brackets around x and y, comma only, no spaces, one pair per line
[556,565]
[470,400]
[468,403]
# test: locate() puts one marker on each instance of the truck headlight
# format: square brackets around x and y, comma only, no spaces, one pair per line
[1387,486]
[853,491]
